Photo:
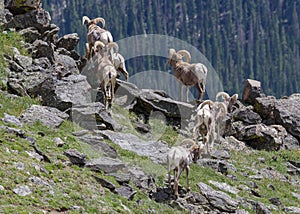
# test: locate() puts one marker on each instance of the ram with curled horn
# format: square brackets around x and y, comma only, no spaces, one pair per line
[186,73]
[95,33]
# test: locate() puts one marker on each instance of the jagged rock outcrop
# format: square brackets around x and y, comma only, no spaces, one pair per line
[21,7]
[146,102]
[252,90]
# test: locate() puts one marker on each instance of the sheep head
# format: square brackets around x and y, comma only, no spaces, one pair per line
[232,101]
[195,152]
[173,56]
[98,46]
[185,54]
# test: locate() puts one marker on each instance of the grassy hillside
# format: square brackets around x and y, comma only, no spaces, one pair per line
[59,186]
[73,189]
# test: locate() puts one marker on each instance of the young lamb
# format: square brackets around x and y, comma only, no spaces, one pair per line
[95,33]
[187,74]
[106,71]
[205,124]
[179,158]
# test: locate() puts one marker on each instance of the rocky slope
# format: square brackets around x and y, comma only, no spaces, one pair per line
[254,169]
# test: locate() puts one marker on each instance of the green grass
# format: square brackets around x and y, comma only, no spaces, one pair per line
[70,185]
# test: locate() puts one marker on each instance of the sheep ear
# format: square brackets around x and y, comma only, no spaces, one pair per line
[234,97]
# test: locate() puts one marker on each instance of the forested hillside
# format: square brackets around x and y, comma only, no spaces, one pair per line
[241,39]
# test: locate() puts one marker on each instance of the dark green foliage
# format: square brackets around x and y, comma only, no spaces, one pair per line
[241,39]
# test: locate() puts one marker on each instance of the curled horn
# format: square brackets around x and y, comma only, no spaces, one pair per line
[186,54]
[171,52]
[113,45]
[99,43]
[223,94]
[99,19]
[206,102]
[85,20]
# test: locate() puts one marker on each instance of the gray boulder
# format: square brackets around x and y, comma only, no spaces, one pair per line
[20,7]
[68,41]
[252,90]
[65,93]
[28,81]
[155,150]
[30,34]
[287,114]
[283,111]
[265,107]
[22,190]
[42,49]
[65,65]
[97,143]
[50,35]
[12,120]
[92,116]
[39,19]
[75,157]
[219,200]
[147,101]
[48,116]
[105,164]
[23,61]
[260,136]
[247,115]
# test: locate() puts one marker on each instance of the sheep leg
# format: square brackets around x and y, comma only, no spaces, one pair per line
[201,90]
[176,182]
[187,178]
[124,72]
[218,133]
[187,93]
[87,51]
[180,87]
[169,176]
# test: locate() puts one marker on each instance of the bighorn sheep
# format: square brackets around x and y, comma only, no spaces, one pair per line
[95,33]
[205,124]
[106,71]
[229,101]
[187,74]
[179,158]
[220,112]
